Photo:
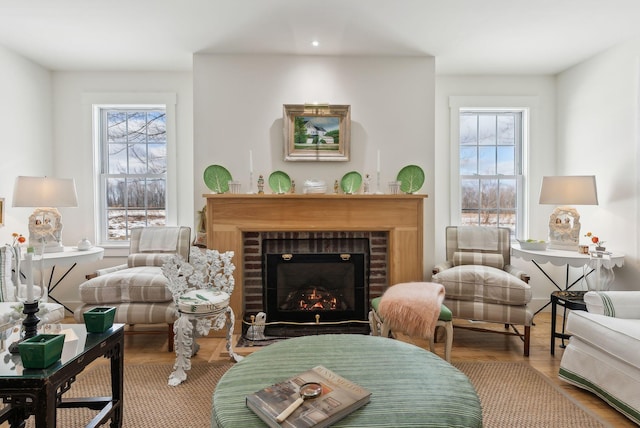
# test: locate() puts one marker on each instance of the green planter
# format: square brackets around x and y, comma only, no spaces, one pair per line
[99,320]
[41,350]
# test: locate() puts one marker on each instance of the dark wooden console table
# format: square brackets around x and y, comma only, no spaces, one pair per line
[27,392]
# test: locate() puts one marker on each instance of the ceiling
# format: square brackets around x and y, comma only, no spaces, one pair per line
[465,36]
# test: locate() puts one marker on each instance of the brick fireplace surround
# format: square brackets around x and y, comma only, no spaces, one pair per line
[233,219]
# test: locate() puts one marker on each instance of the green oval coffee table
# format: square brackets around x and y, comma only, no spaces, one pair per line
[410,386]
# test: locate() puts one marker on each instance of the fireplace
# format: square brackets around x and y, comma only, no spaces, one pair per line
[238,222]
[320,278]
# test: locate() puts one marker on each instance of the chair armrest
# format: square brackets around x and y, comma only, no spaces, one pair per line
[618,304]
[517,273]
[105,271]
[441,266]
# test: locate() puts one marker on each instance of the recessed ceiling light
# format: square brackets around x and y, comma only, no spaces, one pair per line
[315,43]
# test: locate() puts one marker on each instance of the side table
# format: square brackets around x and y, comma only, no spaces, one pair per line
[40,392]
[572,300]
[591,265]
[71,256]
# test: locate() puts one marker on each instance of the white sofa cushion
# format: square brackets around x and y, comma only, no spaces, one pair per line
[483,284]
[615,336]
[619,304]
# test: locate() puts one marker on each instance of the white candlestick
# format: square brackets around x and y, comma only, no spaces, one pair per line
[28,258]
[378,164]
[251,161]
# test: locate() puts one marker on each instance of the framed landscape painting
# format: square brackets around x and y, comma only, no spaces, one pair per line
[316,132]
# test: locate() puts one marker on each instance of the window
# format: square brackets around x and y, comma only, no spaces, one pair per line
[134,163]
[133,147]
[489,147]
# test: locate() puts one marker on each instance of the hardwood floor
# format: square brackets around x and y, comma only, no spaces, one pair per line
[467,346]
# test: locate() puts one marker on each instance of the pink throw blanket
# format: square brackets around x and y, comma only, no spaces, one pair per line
[412,308]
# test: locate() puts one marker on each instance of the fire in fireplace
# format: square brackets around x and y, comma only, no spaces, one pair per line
[299,286]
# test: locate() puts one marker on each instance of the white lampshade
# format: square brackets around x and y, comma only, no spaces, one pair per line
[44,192]
[569,190]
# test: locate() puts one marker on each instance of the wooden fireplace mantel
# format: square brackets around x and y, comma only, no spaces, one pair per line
[402,216]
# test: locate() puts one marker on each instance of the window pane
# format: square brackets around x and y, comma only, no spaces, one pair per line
[117,159]
[488,218]
[489,194]
[156,217]
[136,193]
[506,130]
[115,192]
[137,127]
[157,155]
[137,158]
[468,129]
[487,130]
[136,218]
[470,194]
[506,160]
[116,225]
[487,160]
[156,193]
[156,127]
[116,126]
[468,160]
[508,195]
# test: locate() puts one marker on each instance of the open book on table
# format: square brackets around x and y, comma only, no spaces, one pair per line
[339,397]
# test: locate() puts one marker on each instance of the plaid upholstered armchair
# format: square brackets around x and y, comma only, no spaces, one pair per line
[480,283]
[138,289]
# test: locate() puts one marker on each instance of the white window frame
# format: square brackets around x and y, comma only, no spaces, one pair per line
[95,103]
[522,104]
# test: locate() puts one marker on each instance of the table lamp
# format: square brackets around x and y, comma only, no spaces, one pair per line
[564,222]
[45,194]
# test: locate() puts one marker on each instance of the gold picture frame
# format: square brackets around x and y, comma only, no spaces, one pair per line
[1,212]
[317,132]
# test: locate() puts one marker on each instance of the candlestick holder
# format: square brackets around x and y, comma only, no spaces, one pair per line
[29,324]
[251,192]
[378,191]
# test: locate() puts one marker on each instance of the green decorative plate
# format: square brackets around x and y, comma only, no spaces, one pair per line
[217,178]
[351,182]
[411,178]
[279,182]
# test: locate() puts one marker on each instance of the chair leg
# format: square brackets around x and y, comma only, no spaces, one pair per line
[448,344]
[448,340]
[170,337]
[527,339]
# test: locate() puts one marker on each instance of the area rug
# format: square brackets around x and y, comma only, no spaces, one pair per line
[516,395]
[512,395]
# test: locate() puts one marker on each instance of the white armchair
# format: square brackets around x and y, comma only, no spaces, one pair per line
[138,290]
[602,355]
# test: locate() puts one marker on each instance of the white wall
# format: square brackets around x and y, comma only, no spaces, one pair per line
[238,103]
[26,142]
[597,134]
[74,154]
[539,157]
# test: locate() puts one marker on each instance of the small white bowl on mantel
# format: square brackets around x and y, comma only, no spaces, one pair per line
[533,244]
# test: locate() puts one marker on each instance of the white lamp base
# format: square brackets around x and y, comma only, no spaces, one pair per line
[564,229]
[45,229]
